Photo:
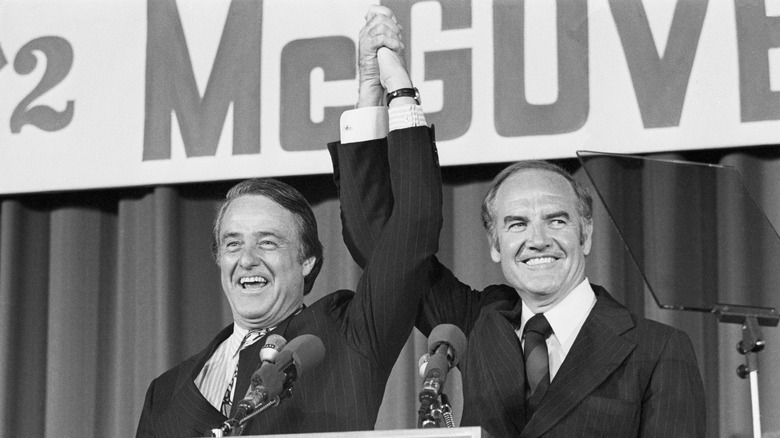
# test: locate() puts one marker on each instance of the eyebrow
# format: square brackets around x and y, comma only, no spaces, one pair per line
[226,236]
[513,218]
[263,234]
[260,234]
[556,214]
[562,213]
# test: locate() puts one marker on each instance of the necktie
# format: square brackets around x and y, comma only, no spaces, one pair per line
[537,369]
[227,400]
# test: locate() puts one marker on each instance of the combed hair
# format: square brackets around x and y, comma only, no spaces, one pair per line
[292,201]
[584,198]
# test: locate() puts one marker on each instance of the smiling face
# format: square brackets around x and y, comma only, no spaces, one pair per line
[541,239]
[260,261]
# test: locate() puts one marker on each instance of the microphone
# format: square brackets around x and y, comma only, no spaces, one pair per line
[273,345]
[272,381]
[446,345]
[268,353]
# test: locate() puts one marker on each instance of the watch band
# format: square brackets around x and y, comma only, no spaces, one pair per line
[403,92]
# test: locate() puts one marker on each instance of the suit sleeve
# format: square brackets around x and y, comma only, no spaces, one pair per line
[361,172]
[365,197]
[398,243]
[145,429]
[673,404]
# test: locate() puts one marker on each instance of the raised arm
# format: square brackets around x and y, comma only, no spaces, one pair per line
[366,197]
[396,272]
[361,161]
[362,175]
[395,244]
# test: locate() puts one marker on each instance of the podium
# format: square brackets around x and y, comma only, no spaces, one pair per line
[453,432]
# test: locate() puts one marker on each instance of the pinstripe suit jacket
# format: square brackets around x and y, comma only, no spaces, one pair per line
[624,376]
[363,332]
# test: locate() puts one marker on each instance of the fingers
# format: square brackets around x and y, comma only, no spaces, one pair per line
[392,70]
[374,42]
[379,10]
[381,30]
[380,56]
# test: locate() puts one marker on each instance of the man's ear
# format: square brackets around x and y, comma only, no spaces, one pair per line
[495,251]
[586,238]
[308,264]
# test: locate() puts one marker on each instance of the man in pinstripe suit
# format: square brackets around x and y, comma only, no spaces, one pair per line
[266,244]
[612,373]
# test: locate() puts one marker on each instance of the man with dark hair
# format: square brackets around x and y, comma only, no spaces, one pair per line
[288,198]
[549,354]
[266,245]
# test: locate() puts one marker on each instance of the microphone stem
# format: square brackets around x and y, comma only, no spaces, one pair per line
[424,411]
[227,427]
[261,408]
[446,411]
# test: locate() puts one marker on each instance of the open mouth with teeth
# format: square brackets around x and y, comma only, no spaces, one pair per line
[250,282]
[540,261]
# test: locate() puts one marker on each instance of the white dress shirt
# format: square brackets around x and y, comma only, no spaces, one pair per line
[218,371]
[566,320]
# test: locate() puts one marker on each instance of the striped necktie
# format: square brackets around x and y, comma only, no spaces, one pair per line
[537,369]
[227,400]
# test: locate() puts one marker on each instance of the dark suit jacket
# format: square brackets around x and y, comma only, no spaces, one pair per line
[624,376]
[363,332]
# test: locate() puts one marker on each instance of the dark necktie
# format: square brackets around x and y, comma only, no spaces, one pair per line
[537,368]
[227,400]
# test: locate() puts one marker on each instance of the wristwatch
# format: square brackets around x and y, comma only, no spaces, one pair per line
[403,92]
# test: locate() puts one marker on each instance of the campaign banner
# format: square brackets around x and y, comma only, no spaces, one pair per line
[97,94]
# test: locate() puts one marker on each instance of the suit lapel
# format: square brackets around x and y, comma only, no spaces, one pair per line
[195,412]
[189,406]
[501,365]
[596,353]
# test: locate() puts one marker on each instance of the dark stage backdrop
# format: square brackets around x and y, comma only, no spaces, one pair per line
[101,291]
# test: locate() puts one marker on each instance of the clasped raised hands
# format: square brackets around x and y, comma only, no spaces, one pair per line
[381,63]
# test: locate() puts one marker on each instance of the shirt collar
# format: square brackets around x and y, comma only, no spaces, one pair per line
[239,333]
[567,317]
[234,341]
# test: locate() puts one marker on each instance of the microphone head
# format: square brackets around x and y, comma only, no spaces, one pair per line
[307,352]
[273,345]
[304,352]
[450,335]
[270,376]
[422,364]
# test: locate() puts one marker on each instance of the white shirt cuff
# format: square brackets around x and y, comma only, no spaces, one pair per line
[373,123]
[405,116]
[364,124]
